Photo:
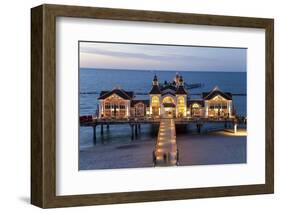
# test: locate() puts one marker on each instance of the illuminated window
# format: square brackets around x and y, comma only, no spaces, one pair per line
[107,105]
[195,105]
[218,98]
[181,100]
[155,100]
[168,99]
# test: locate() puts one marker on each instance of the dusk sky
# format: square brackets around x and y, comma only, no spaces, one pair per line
[161,57]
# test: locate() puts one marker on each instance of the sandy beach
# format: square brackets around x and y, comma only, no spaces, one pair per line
[219,147]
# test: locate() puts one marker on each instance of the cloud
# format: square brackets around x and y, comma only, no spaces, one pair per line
[166,57]
[119,54]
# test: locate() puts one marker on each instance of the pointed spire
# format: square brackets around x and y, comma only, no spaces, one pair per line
[181,81]
[155,86]
[155,80]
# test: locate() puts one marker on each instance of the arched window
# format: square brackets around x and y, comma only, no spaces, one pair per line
[155,100]
[195,105]
[168,99]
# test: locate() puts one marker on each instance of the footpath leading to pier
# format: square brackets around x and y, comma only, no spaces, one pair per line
[166,153]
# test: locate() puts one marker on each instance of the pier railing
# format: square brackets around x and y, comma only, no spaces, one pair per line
[91,120]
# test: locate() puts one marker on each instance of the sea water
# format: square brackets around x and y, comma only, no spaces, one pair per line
[93,81]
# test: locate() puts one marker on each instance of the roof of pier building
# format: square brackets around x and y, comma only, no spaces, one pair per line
[181,91]
[127,95]
[168,92]
[216,91]
[155,90]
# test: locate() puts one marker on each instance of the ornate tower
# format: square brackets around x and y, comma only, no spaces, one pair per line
[154,97]
[181,95]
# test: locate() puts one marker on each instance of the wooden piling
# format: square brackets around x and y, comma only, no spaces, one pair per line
[136,125]
[132,131]
[94,135]
[199,126]
[136,130]
[101,129]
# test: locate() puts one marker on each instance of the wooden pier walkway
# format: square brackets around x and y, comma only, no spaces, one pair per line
[166,153]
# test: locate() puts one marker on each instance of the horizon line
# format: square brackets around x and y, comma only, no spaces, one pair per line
[158,70]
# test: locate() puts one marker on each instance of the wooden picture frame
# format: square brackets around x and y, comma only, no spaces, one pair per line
[43,105]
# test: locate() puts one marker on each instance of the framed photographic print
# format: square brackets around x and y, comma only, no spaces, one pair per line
[137,106]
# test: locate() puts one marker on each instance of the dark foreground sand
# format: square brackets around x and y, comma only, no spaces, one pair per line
[220,147]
